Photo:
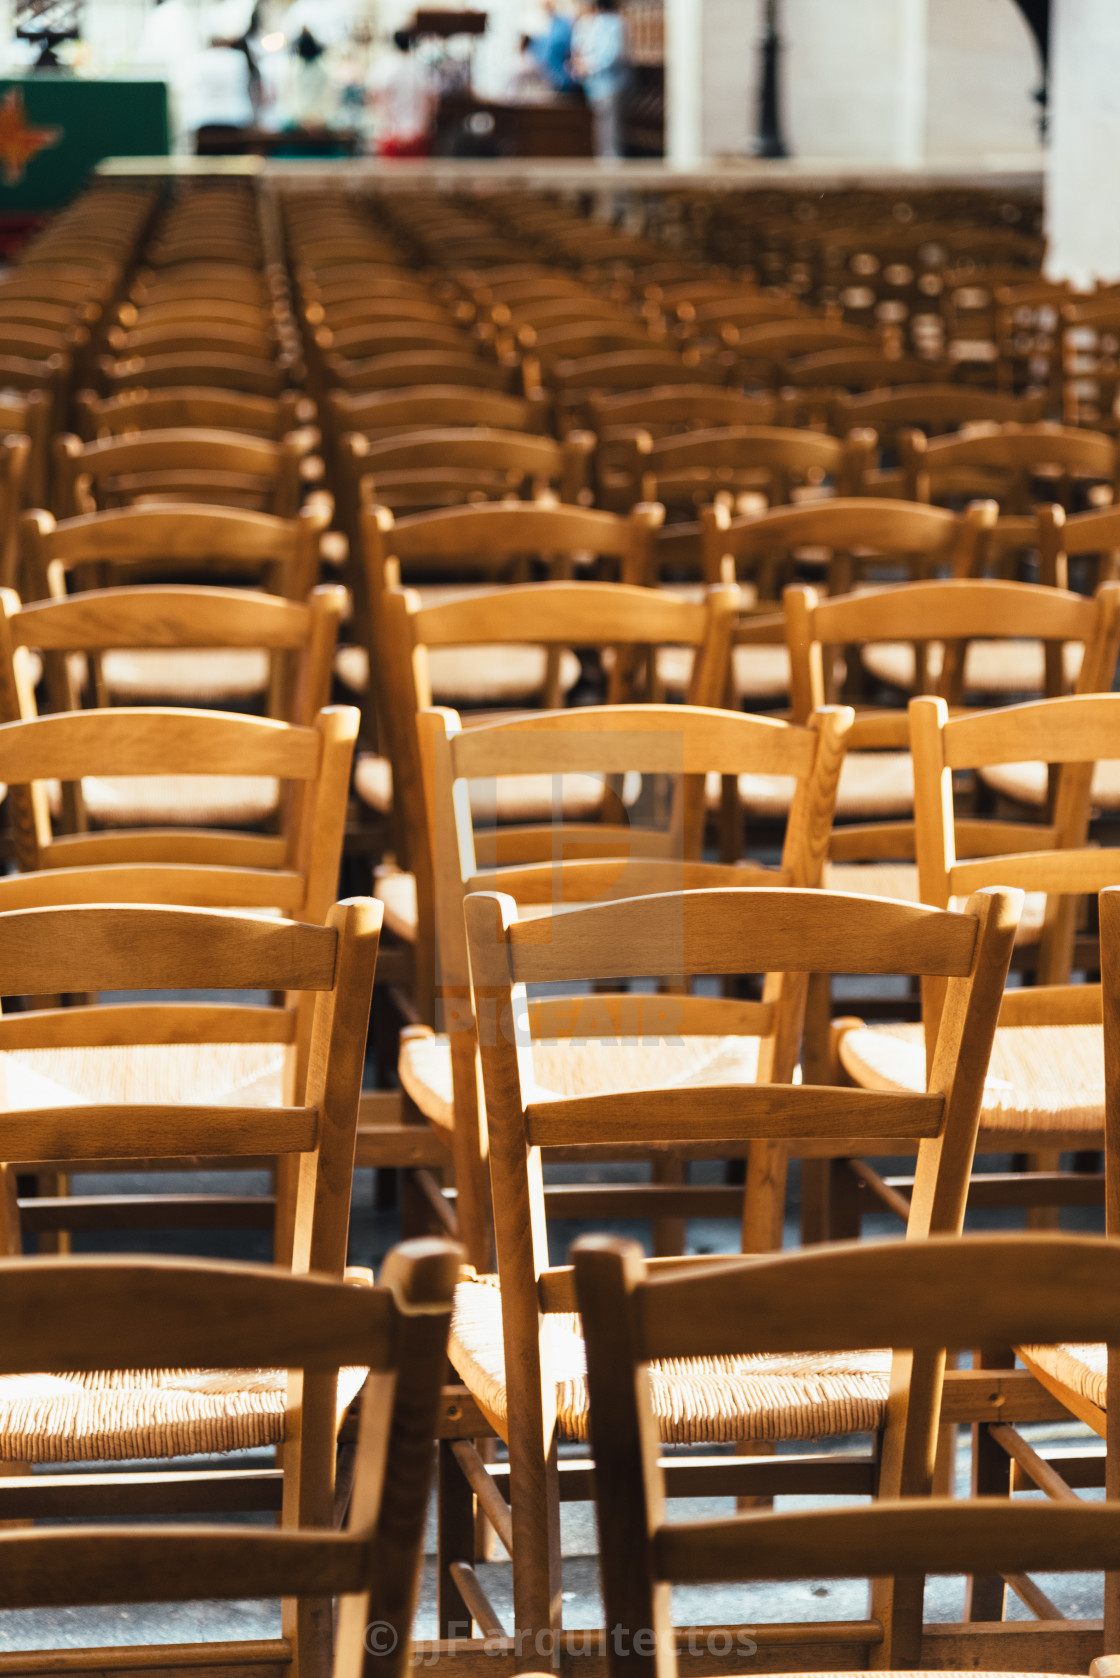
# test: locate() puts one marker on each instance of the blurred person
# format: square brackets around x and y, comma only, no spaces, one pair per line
[404,99]
[599,65]
[528,82]
[553,48]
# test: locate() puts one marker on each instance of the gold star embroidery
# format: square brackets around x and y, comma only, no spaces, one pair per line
[19,140]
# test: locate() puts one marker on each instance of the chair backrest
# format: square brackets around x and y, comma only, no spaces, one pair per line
[698,464]
[294,870]
[223,370]
[916,1297]
[441,464]
[659,409]
[221,541]
[785,934]
[933,407]
[413,408]
[182,464]
[15,456]
[842,527]
[195,406]
[1074,733]
[395,369]
[940,467]
[549,616]
[178,1314]
[101,947]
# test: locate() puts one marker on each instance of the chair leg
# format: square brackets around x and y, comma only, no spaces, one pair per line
[1043,1217]
[535,1510]
[764,1203]
[455,1542]
[669,1234]
[286,1179]
[991,1477]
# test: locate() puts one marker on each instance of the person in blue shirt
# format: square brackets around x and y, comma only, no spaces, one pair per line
[599,64]
[553,49]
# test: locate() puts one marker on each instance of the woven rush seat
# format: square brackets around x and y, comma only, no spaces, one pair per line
[1027,783]
[696,1401]
[116,1415]
[989,666]
[591,1068]
[175,800]
[519,798]
[1081,1368]
[185,675]
[872,784]
[900,880]
[397,890]
[1040,1079]
[757,672]
[247,1074]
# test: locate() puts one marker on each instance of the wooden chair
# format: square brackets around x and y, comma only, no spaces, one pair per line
[181,1315]
[443,466]
[465,544]
[661,411]
[397,369]
[636,857]
[194,839]
[182,464]
[387,413]
[252,374]
[760,353]
[119,947]
[224,544]
[691,470]
[519,1349]
[15,455]
[1005,462]
[916,1298]
[38,386]
[532,625]
[27,413]
[138,409]
[576,383]
[187,336]
[1046,1091]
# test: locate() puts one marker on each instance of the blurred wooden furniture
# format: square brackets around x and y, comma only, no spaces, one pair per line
[183,464]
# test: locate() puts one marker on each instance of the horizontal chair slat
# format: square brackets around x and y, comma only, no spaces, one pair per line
[134,947]
[601,1016]
[190,618]
[1069,730]
[761,931]
[919,1536]
[629,615]
[76,1567]
[179,846]
[161,741]
[600,879]
[119,1132]
[833,1298]
[620,737]
[68,1313]
[113,1023]
[731,1113]
[205,885]
[1048,871]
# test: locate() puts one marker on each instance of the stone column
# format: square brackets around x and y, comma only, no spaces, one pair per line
[1082,179]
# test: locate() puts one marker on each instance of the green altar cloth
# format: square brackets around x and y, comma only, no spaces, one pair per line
[56,127]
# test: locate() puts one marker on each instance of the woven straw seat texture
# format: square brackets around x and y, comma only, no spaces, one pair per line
[521,798]
[185,675]
[989,666]
[1081,1368]
[591,1068]
[1041,1079]
[900,880]
[1026,783]
[872,785]
[757,672]
[397,890]
[250,1074]
[700,1400]
[176,800]
[116,1415]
